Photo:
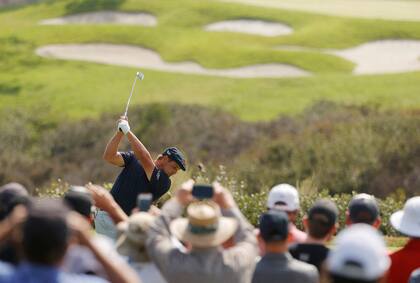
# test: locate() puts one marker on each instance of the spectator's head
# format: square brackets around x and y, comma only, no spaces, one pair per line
[45,232]
[274,230]
[80,200]
[363,208]
[415,276]
[204,226]
[171,160]
[321,220]
[12,194]
[407,221]
[133,234]
[360,256]
[286,198]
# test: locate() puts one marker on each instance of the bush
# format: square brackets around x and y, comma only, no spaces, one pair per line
[340,149]
[253,205]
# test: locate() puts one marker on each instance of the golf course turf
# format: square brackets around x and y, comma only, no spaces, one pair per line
[79,89]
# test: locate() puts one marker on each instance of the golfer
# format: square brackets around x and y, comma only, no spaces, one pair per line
[140,174]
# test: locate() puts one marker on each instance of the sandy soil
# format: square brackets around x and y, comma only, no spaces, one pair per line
[257,27]
[370,9]
[105,17]
[377,57]
[132,56]
[384,56]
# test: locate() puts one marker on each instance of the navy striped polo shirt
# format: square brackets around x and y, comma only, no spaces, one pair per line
[133,180]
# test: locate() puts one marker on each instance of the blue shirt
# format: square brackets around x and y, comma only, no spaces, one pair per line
[133,180]
[32,273]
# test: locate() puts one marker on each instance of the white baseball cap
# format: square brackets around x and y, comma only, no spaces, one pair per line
[407,221]
[360,254]
[286,195]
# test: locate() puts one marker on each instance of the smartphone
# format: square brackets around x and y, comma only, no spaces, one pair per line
[144,201]
[202,191]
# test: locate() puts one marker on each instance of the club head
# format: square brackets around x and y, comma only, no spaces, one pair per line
[140,76]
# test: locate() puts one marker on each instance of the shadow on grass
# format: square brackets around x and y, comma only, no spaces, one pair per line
[80,6]
[9,89]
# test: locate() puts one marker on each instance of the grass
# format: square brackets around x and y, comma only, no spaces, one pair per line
[75,90]
[395,243]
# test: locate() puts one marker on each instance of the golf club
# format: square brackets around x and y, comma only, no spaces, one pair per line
[139,76]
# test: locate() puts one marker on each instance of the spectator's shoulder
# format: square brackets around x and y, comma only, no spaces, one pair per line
[6,270]
[303,268]
[71,278]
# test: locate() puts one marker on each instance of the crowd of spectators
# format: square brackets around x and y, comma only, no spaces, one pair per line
[54,240]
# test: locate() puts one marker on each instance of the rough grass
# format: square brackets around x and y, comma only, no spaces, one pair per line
[76,90]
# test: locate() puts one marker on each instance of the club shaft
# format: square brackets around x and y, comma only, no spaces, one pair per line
[129,98]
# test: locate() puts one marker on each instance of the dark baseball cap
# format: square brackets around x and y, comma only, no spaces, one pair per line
[274,225]
[79,199]
[323,211]
[176,155]
[363,208]
[12,194]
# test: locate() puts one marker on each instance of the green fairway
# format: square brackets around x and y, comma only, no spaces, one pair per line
[77,90]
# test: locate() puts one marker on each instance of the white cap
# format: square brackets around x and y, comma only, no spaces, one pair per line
[286,194]
[415,276]
[407,221]
[360,254]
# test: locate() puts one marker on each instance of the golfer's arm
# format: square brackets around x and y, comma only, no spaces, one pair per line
[142,154]
[111,153]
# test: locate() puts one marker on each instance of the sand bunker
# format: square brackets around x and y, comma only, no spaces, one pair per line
[384,56]
[257,27]
[105,17]
[377,57]
[370,9]
[132,56]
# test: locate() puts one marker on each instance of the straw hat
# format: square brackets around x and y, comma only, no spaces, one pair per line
[131,241]
[204,227]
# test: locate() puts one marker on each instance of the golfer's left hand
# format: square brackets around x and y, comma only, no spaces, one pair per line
[123,125]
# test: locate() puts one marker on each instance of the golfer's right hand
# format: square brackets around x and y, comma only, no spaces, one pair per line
[123,126]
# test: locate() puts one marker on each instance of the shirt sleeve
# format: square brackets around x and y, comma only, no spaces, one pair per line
[128,157]
[160,183]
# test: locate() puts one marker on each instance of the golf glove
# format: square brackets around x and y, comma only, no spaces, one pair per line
[124,127]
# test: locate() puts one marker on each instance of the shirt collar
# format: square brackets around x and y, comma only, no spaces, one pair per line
[278,256]
[38,271]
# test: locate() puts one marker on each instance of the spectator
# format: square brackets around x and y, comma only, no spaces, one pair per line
[415,276]
[277,265]
[131,244]
[363,208]
[204,231]
[321,225]
[407,222]
[140,174]
[11,195]
[285,197]
[360,256]
[79,259]
[46,233]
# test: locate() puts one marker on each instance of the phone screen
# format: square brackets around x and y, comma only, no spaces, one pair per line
[202,191]
[144,201]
